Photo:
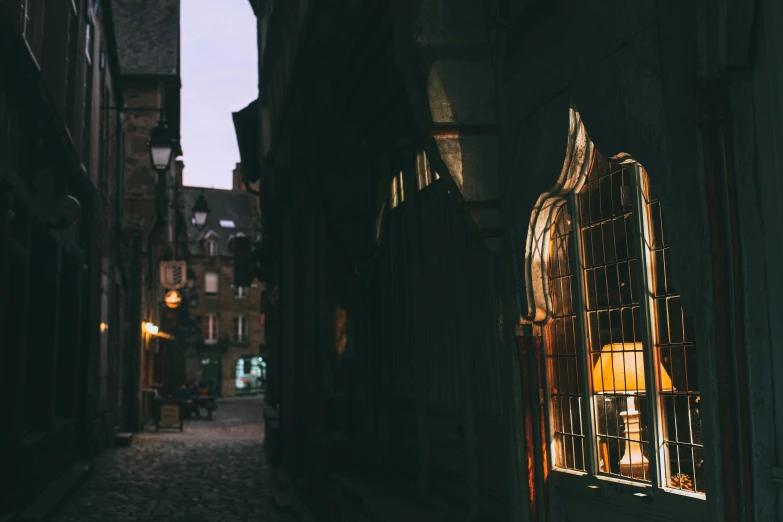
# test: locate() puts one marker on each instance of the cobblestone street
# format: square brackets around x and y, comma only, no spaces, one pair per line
[215,470]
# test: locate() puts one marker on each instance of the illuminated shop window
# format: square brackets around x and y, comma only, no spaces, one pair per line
[613,325]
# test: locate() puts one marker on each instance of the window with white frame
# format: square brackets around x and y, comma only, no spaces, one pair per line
[240,292]
[211,329]
[240,328]
[212,248]
[210,283]
[615,320]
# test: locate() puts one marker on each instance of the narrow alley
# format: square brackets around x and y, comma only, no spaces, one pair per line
[214,470]
[485,260]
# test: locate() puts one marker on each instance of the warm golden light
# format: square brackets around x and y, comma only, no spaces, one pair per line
[620,369]
[623,371]
[151,328]
[173,299]
[104,327]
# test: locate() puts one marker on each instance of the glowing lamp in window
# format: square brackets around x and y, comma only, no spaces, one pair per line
[620,370]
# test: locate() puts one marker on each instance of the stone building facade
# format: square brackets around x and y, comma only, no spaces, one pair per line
[148,39]
[229,317]
[62,286]
[445,189]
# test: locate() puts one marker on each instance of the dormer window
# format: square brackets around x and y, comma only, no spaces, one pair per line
[212,248]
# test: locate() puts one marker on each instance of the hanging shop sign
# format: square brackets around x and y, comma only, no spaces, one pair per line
[173,274]
[173,299]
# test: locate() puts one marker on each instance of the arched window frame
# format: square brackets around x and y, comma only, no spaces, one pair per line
[576,168]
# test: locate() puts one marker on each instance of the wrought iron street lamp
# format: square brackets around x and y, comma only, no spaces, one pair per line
[161,145]
[200,210]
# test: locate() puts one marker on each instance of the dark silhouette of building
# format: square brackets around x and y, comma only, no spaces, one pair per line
[486,222]
[62,286]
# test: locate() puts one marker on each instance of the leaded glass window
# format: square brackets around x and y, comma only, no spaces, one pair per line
[616,319]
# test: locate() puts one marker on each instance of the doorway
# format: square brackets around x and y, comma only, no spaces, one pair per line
[210,373]
[250,375]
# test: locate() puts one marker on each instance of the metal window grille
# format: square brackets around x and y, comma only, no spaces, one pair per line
[562,363]
[627,324]
[673,339]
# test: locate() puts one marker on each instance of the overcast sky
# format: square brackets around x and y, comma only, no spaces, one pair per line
[219,76]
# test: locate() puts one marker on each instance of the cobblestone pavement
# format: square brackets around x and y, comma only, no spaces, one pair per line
[213,471]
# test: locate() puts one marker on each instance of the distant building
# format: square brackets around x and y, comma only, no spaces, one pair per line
[62,284]
[232,332]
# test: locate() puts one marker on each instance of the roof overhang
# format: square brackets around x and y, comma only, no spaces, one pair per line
[248,131]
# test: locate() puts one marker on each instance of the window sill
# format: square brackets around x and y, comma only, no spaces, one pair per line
[630,497]
[210,342]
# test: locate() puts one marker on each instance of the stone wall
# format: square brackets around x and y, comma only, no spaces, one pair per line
[141,205]
[140,178]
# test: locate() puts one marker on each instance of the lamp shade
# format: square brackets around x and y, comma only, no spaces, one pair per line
[620,369]
[200,210]
[161,145]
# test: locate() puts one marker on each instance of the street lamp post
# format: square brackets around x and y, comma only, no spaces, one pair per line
[161,145]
